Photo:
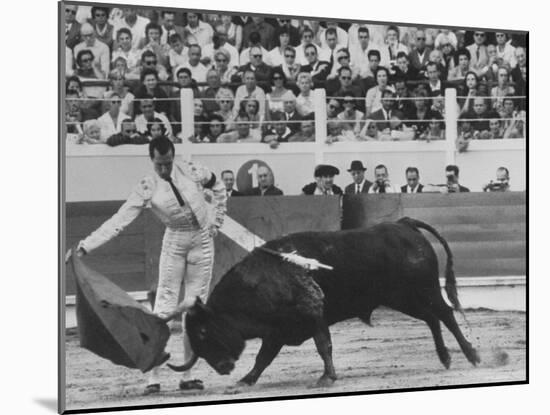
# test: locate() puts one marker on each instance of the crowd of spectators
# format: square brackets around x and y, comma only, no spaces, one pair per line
[252,78]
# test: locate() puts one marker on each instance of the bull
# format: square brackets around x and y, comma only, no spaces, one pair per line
[389,264]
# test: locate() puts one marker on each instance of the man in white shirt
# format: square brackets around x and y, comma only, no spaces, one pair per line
[148,115]
[198,70]
[249,91]
[110,123]
[276,57]
[332,45]
[413,185]
[307,39]
[136,24]
[220,41]
[341,35]
[382,183]
[201,32]
[98,48]
[178,55]
[360,53]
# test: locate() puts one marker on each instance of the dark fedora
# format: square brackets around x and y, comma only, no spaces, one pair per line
[324,170]
[357,165]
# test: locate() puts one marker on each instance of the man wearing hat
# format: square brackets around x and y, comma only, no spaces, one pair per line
[360,184]
[323,185]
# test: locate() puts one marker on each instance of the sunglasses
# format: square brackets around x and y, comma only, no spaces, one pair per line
[343,57]
[363,37]
[256,56]
[420,38]
[224,101]
[221,60]
[150,62]
[86,60]
[146,106]
[290,56]
[308,36]
[345,77]
[479,34]
[115,102]
[70,11]
[311,54]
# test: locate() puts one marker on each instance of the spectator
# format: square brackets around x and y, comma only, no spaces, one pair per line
[502,182]
[178,55]
[318,70]
[420,54]
[449,57]
[350,114]
[343,60]
[336,133]
[200,33]
[119,88]
[152,42]
[382,182]
[85,66]
[124,49]
[385,112]
[110,122]
[286,25]
[389,53]
[198,70]
[397,130]
[354,37]
[374,62]
[306,132]
[453,186]
[435,84]
[265,184]
[324,181]
[150,61]
[73,116]
[251,108]
[127,135]
[495,129]
[249,90]
[276,56]
[228,179]
[255,64]
[435,130]
[213,83]
[402,102]
[290,112]
[437,57]
[460,71]
[134,23]
[91,133]
[155,129]
[330,47]
[219,41]
[88,108]
[241,134]
[413,185]
[481,113]
[149,115]
[519,75]
[304,101]
[99,49]
[502,89]
[465,132]
[403,69]
[469,90]
[149,88]
[266,31]
[445,36]
[478,54]
[369,132]
[184,81]
[254,41]
[423,113]
[221,60]
[307,39]
[104,31]
[333,108]
[278,91]
[373,99]
[343,85]
[72,27]
[360,53]
[170,28]
[215,128]
[225,99]
[234,31]
[290,68]
[340,36]
[279,132]
[505,50]
[360,184]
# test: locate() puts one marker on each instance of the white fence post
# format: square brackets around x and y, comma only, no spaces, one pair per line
[451,124]
[320,111]
[187,121]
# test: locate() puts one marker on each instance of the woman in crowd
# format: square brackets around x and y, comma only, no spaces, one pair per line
[350,114]
[422,112]
[225,100]
[215,128]
[252,108]
[85,66]
[125,50]
[468,91]
[221,64]
[118,86]
[155,129]
[149,87]
[502,88]
[234,31]
[91,133]
[278,89]
[369,131]
[373,99]
[304,101]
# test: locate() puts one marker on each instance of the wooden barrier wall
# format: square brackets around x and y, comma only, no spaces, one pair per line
[486,232]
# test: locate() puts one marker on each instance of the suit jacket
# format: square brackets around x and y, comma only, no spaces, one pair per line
[263,75]
[415,60]
[271,191]
[418,190]
[294,126]
[73,37]
[379,115]
[319,76]
[235,192]
[350,188]
[309,189]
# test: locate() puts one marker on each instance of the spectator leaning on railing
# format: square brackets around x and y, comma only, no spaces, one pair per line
[502,182]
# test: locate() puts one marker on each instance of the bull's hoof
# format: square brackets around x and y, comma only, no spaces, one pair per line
[446,360]
[237,388]
[474,357]
[195,384]
[151,389]
[324,382]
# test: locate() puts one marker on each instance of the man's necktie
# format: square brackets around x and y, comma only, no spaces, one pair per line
[382,189]
[357,189]
[477,54]
[176,192]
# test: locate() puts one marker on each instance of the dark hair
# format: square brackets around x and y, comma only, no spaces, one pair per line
[363,29]
[412,170]
[217,117]
[283,31]
[383,69]
[506,170]
[278,71]
[310,46]
[453,168]
[402,55]
[475,76]
[432,63]
[278,116]
[226,171]
[307,29]
[146,54]
[173,38]
[387,92]
[246,101]
[165,12]
[123,30]
[463,52]
[162,144]
[199,15]
[243,114]
[381,166]
[153,25]
[70,79]
[96,8]
[331,31]
[373,52]
[291,49]
[186,70]
[82,53]
[254,38]
[343,68]
[156,121]
[148,71]
[394,28]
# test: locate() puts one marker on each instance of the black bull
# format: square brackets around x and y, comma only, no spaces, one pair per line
[390,264]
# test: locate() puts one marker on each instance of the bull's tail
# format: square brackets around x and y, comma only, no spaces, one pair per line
[450,280]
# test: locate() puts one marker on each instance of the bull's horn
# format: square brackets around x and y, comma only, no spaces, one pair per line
[186,366]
